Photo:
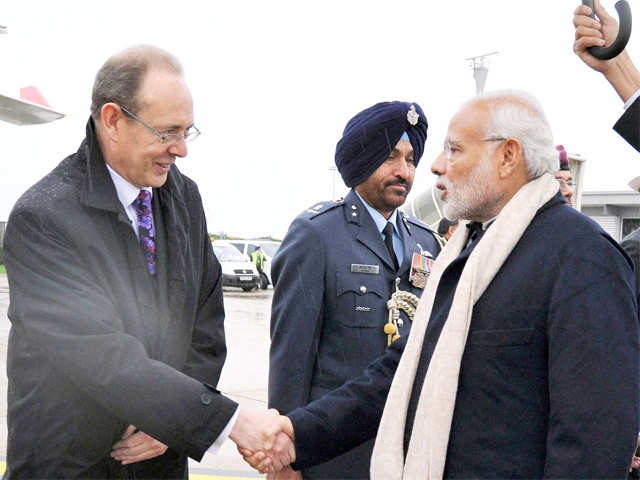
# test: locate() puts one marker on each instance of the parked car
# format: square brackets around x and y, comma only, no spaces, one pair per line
[269,248]
[237,269]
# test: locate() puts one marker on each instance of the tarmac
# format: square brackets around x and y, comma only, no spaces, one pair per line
[244,376]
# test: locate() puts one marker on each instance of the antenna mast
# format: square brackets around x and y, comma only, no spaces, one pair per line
[480,70]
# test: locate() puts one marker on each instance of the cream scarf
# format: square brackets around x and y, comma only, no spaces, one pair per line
[430,435]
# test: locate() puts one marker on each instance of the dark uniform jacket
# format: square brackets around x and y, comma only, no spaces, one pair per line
[548,384]
[96,343]
[327,316]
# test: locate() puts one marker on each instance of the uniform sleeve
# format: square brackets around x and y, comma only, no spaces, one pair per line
[347,416]
[58,308]
[298,273]
[208,349]
[593,352]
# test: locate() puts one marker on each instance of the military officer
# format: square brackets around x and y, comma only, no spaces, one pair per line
[341,262]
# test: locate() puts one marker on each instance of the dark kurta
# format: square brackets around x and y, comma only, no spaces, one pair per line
[549,378]
[96,344]
[327,319]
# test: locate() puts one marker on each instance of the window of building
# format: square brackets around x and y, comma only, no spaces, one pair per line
[629,225]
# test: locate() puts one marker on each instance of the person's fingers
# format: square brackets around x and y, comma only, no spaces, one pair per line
[139,453]
[585,21]
[143,456]
[588,32]
[130,441]
[287,427]
[269,432]
[266,466]
[582,10]
[244,452]
[582,44]
[131,429]
[137,447]
[602,13]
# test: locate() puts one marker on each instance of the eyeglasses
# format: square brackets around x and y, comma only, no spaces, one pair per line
[566,183]
[168,138]
[450,147]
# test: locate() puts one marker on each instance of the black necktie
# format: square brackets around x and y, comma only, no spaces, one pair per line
[475,229]
[388,241]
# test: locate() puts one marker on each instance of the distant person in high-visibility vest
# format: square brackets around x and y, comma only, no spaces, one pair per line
[257,257]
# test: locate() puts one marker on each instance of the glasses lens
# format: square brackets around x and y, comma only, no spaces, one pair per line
[191,134]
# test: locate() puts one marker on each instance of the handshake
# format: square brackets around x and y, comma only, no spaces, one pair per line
[265,441]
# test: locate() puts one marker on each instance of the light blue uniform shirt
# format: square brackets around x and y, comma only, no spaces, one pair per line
[381,222]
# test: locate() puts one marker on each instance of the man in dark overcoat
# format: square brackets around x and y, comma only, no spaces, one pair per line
[539,378]
[117,338]
[336,269]
[624,77]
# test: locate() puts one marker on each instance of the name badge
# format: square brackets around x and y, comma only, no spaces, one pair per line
[360,268]
[421,266]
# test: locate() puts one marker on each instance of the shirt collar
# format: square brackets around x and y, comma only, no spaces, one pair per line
[126,192]
[378,218]
[486,224]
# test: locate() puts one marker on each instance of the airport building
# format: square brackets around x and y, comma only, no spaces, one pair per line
[618,213]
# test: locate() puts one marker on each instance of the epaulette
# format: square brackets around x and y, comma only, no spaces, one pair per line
[322,207]
[407,219]
[415,221]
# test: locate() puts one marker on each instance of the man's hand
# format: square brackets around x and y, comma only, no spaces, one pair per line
[635,461]
[280,456]
[286,473]
[264,439]
[136,446]
[593,33]
[620,71]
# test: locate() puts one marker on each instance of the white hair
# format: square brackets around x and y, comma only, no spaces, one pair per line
[518,114]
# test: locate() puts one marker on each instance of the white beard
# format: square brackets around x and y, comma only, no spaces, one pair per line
[472,197]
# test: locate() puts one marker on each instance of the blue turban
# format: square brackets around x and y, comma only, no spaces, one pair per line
[372,134]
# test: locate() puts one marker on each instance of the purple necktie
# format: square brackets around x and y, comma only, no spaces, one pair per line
[146,234]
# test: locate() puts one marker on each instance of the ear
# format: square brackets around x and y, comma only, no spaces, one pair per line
[511,159]
[111,119]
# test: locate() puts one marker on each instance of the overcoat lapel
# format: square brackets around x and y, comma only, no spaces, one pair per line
[174,215]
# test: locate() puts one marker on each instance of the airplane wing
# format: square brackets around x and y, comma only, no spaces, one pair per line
[22,112]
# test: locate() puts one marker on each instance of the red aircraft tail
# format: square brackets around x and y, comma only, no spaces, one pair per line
[33,95]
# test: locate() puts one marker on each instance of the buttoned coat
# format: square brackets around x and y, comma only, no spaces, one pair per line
[96,343]
[327,314]
[548,384]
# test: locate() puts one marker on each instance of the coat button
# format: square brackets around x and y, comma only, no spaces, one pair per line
[205,398]
[363,289]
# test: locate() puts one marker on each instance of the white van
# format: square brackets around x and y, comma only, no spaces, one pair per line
[237,269]
[269,248]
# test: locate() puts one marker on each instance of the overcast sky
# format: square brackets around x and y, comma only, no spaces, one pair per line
[274,83]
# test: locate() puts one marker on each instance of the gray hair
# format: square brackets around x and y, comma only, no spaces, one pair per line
[119,79]
[518,114]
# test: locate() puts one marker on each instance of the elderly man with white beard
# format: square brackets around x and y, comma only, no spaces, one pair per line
[523,357]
